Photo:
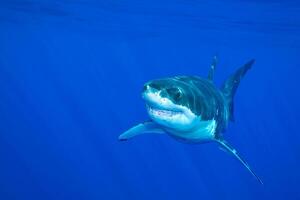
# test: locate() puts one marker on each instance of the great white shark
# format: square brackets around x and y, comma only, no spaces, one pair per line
[191,109]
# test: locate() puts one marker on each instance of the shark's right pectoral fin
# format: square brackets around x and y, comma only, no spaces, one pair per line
[142,128]
[225,146]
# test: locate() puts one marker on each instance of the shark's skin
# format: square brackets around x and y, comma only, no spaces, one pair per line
[191,109]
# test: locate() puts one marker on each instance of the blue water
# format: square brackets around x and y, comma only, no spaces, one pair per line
[71,74]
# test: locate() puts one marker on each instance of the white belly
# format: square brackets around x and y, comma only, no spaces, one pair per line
[203,132]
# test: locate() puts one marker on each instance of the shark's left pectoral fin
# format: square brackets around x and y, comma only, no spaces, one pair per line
[142,128]
[225,146]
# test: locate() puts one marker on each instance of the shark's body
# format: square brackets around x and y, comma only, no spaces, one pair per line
[191,109]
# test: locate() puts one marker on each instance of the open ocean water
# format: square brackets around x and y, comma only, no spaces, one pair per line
[71,75]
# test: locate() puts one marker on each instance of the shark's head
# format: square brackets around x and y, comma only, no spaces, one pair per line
[168,103]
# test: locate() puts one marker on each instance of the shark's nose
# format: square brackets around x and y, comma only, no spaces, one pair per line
[146,87]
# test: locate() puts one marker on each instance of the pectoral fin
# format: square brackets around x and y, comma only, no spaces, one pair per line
[146,127]
[234,152]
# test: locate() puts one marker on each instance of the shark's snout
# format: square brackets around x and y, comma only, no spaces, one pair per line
[145,88]
[150,88]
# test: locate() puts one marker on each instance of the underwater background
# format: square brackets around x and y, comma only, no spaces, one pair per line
[71,75]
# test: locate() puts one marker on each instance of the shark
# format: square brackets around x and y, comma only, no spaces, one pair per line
[192,109]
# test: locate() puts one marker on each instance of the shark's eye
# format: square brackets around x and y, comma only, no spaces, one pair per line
[178,94]
[175,93]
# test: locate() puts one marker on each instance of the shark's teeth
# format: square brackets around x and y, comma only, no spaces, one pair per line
[161,112]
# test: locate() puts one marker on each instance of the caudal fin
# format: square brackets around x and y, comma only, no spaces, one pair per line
[231,84]
[234,152]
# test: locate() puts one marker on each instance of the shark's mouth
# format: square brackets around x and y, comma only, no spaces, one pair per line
[163,112]
[168,114]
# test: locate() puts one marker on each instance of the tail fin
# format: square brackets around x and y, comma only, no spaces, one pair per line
[231,84]
[234,152]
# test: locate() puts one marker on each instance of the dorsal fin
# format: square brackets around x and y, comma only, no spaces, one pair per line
[231,84]
[213,65]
